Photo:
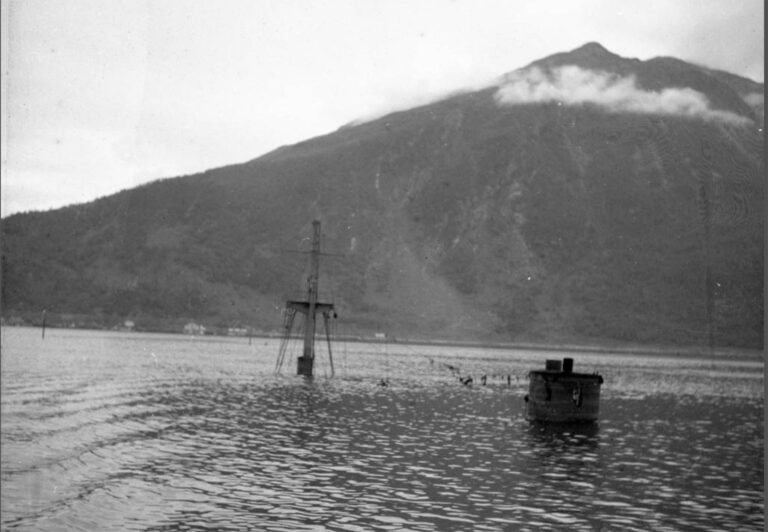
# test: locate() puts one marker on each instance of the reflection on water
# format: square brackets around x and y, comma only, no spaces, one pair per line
[105,431]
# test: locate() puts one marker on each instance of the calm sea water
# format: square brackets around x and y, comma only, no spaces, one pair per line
[125,431]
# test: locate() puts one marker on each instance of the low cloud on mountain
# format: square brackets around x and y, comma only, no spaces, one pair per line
[573,85]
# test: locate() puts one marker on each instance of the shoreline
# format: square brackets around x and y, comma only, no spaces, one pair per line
[650,350]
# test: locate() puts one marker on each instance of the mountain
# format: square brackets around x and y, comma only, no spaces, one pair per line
[585,198]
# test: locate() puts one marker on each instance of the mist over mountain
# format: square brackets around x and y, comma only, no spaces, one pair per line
[586,198]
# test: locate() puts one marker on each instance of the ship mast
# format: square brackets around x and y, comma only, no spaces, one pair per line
[309,306]
[307,360]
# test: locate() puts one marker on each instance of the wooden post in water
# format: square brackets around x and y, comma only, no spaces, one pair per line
[44,312]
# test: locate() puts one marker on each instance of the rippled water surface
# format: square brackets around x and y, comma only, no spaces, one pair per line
[121,431]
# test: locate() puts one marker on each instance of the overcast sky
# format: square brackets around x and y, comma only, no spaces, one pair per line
[103,95]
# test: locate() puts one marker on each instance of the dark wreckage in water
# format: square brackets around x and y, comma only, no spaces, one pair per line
[557,394]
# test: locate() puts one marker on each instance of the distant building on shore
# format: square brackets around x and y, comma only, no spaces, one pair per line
[194,328]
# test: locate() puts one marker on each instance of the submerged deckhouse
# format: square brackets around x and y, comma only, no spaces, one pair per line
[557,394]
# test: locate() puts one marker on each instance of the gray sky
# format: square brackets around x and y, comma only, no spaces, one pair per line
[103,95]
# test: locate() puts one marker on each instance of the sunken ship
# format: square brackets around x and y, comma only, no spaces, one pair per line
[558,394]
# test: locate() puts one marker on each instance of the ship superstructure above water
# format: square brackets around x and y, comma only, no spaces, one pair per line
[557,394]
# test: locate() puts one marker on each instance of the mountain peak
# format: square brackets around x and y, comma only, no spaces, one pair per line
[592,48]
[593,56]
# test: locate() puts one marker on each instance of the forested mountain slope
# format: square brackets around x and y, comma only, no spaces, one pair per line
[586,198]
